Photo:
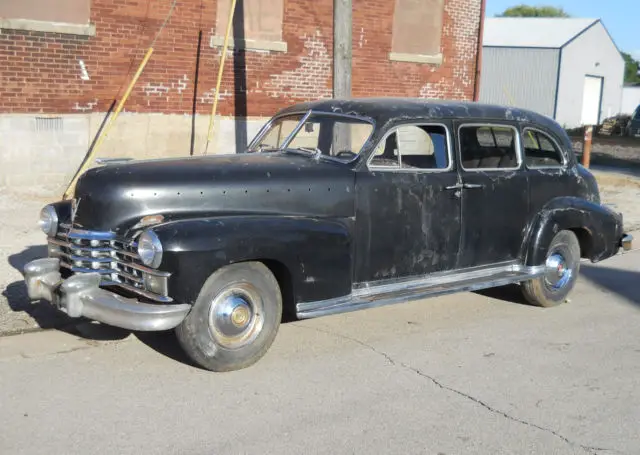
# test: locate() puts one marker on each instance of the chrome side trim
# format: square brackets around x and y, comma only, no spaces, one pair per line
[390,285]
[429,286]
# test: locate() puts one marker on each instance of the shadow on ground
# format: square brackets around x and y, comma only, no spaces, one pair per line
[45,316]
[623,283]
[510,293]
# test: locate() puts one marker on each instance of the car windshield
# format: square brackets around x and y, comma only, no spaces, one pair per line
[340,137]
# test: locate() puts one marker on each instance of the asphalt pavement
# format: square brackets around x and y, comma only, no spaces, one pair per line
[471,373]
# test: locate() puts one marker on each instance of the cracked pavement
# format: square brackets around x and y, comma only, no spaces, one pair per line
[468,373]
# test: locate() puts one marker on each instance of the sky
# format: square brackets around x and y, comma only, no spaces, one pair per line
[620,17]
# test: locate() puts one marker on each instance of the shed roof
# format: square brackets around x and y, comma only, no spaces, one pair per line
[537,32]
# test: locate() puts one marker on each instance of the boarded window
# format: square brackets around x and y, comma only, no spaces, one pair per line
[262,19]
[488,147]
[417,27]
[66,11]
[540,150]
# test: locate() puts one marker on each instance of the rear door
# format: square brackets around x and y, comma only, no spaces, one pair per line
[494,195]
[546,164]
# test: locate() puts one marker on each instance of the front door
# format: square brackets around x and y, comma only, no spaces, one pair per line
[494,195]
[408,206]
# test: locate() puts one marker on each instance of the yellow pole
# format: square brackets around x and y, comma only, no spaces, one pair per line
[110,123]
[220,71]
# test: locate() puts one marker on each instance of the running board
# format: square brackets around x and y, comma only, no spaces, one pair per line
[376,294]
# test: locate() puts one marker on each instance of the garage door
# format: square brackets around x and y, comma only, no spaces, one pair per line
[591,100]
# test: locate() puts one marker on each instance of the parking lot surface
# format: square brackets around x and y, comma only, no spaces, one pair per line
[478,373]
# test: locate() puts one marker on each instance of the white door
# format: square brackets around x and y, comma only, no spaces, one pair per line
[591,100]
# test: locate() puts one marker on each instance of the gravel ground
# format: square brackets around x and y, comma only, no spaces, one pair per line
[21,241]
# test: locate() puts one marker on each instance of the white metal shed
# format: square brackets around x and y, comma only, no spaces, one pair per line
[568,69]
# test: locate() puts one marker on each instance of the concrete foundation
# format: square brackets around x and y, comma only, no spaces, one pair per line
[40,154]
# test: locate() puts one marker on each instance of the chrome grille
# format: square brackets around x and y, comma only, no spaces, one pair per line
[114,258]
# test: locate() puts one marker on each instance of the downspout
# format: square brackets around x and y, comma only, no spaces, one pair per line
[476,88]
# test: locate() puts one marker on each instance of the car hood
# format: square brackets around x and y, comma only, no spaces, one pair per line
[116,196]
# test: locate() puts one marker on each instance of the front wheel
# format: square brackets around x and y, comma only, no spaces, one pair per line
[235,318]
[562,268]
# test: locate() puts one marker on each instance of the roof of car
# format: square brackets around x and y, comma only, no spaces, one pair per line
[387,108]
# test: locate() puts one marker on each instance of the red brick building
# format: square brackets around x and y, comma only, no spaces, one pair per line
[62,63]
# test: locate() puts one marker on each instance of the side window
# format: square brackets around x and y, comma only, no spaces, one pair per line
[488,147]
[540,150]
[308,136]
[414,147]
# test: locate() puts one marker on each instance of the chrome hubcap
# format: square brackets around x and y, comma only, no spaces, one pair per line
[559,273]
[235,316]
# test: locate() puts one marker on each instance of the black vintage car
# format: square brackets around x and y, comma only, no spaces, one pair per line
[337,205]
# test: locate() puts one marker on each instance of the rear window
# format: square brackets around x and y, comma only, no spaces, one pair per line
[540,150]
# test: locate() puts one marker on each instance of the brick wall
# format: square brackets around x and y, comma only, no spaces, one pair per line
[41,72]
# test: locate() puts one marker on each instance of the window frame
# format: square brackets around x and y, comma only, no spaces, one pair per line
[373,167]
[555,143]
[518,147]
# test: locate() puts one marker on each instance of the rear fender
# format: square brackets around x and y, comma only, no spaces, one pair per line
[599,227]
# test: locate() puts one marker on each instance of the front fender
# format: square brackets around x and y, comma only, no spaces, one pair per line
[601,229]
[315,251]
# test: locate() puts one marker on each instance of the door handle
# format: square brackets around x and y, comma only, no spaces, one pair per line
[471,186]
[457,186]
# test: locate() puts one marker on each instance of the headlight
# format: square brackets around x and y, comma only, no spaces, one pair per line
[150,249]
[48,220]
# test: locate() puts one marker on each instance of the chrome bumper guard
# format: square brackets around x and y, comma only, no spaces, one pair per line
[626,242]
[81,296]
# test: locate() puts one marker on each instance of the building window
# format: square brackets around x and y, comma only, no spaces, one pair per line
[60,16]
[417,31]
[262,20]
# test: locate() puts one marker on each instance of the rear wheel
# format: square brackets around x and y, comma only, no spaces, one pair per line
[235,318]
[562,268]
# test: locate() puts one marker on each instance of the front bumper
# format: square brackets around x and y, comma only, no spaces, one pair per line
[81,296]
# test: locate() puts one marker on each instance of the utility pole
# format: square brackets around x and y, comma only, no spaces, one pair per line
[586,148]
[342,24]
[342,14]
